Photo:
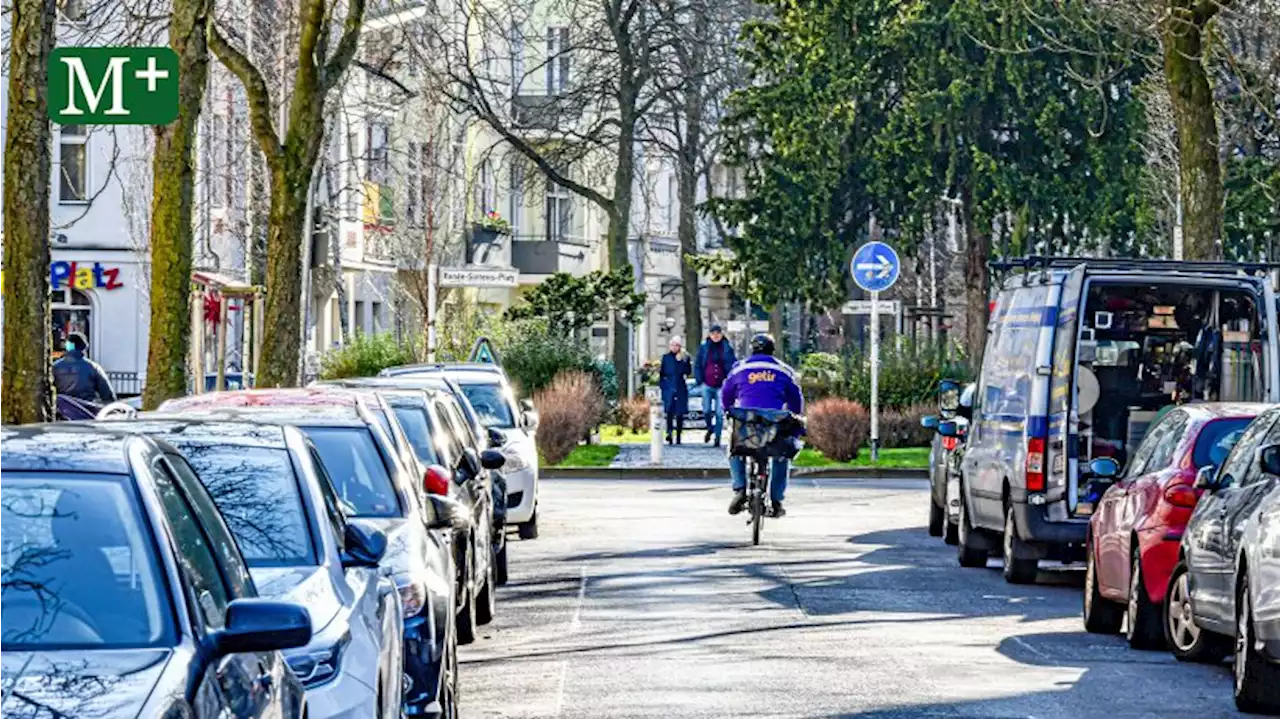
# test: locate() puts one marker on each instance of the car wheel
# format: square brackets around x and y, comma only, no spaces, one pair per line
[486,599]
[500,562]
[447,690]
[1016,571]
[1257,686]
[529,529]
[951,534]
[937,518]
[1101,615]
[1143,628]
[968,550]
[466,621]
[1186,639]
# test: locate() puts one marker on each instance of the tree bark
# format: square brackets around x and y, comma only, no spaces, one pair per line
[173,187]
[28,395]
[620,227]
[284,277]
[1199,168]
[977,251]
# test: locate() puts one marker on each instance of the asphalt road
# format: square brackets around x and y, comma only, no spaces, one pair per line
[645,599]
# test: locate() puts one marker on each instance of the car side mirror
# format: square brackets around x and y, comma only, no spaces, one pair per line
[948,398]
[470,462]
[530,419]
[437,480]
[1206,478]
[496,437]
[527,405]
[929,421]
[364,545]
[262,625]
[1269,459]
[949,428]
[447,513]
[1104,468]
[492,459]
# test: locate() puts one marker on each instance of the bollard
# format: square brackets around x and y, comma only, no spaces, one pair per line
[654,395]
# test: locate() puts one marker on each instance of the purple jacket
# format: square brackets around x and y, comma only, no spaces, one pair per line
[762,382]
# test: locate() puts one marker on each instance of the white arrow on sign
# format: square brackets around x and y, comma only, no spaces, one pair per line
[882,267]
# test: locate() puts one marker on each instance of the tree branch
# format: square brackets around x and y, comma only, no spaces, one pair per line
[255,90]
[381,75]
[346,49]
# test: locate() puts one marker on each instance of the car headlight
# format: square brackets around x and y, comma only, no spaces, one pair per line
[413,594]
[319,665]
[514,462]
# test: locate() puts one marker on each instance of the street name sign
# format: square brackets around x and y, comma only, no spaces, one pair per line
[471,277]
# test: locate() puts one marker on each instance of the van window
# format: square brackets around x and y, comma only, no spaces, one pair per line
[1011,369]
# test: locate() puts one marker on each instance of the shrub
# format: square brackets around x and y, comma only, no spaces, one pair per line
[533,355]
[901,427]
[909,374]
[838,428]
[633,413]
[365,356]
[568,408]
[821,374]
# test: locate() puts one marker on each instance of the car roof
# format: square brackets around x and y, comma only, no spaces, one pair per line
[320,416]
[388,385]
[1215,410]
[64,447]
[428,367]
[212,430]
[315,396]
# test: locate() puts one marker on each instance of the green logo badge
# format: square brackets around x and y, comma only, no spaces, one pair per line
[113,86]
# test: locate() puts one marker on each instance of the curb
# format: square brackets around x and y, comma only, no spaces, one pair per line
[723,473]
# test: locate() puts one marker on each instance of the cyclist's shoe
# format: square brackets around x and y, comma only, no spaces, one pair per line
[777,510]
[739,502]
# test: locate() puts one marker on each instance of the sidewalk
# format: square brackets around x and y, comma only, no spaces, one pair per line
[685,456]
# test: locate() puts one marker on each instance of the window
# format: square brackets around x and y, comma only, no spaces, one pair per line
[356,469]
[73,162]
[491,402]
[516,214]
[517,60]
[451,435]
[1162,455]
[332,512]
[72,312]
[199,567]
[357,322]
[559,212]
[376,307]
[1215,441]
[377,135]
[557,60]
[353,175]
[1236,468]
[671,203]
[413,180]
[487,189]
[417,430]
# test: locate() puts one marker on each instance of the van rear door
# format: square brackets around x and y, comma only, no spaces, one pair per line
[1061,463]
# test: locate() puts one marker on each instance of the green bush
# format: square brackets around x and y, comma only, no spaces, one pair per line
[821,375]
[366,356]
[533,355]
[909,374]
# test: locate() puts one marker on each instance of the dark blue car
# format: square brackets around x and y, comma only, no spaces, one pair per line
[124,594]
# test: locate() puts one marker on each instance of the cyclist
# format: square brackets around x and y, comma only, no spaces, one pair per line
[761,382]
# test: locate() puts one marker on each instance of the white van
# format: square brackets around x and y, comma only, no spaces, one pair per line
[1081,356]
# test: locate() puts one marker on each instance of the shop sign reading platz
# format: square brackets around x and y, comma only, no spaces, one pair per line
[476,277]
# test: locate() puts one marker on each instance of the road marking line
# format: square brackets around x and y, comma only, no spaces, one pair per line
[1028,647]
[574,624]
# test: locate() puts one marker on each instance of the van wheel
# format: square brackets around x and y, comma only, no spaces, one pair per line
[969,550]
[1016,571]
[937,518]
[1257,680]
[1101,615]
[1142,616]
[1187,641]
[529,529]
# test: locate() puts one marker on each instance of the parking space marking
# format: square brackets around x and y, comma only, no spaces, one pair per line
[574,623]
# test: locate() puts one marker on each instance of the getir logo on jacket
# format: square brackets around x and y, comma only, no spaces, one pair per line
[761,376]
[84,277]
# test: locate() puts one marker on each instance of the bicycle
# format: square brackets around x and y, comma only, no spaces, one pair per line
[759,437]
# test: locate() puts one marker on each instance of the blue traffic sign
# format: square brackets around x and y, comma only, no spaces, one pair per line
[875,267]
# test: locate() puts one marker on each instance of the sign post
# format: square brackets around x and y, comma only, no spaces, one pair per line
[654,395]
[875,268]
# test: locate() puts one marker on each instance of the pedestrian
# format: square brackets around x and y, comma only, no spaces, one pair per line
[715,359]
[74,375]
[675,393]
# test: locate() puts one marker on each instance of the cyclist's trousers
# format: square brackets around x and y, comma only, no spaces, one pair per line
[779,469]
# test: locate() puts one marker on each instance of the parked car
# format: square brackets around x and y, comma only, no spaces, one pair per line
[942,474]
[373,483]
[1225,590]
[492,398]
[124,593]
[284,513]
[1127,338]
[1137,527]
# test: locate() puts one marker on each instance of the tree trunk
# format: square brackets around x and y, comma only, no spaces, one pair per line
[28,396]
[687,187]
[1199,168]
[173,183]
[281,340]
[977,251]
[619,233]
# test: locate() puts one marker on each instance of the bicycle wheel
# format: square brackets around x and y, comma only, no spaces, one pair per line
[759,484]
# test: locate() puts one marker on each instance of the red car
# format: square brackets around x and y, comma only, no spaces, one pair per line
[1135,533]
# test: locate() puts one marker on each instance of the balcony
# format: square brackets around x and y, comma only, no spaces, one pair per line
[662,256]
[544,112]
[538,255]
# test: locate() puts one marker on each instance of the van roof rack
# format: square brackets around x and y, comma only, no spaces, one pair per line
[1033,263]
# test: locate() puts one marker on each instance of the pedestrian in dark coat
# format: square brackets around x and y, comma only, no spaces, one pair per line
[75,375]
[675,393]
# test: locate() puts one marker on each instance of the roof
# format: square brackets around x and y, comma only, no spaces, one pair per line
[63,447]
[204,430]
[302,416]
[317,396]
[388,386]
[451,367]
[1205,411]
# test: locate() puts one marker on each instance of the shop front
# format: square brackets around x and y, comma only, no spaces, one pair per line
[102,294]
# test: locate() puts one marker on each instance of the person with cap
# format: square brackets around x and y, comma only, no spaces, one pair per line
[710,370]
[675,393]
[75,375]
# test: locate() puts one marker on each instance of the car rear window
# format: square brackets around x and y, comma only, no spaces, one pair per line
[355,466]
[1216,440]
[257,492]
[413,420]
[490,402]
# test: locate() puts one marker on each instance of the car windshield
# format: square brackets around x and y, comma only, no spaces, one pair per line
[359,475]
[1216,440]
[257,492]
[413,420]
[490,402]
[78,566]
